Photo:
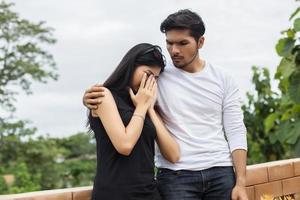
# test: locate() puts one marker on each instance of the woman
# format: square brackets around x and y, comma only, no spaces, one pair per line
[125,126]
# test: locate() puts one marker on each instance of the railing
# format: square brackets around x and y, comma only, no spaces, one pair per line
[275,179]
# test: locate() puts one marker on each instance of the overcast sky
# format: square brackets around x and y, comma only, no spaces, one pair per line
[93,35]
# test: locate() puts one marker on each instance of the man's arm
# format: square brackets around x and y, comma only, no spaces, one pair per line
[235,132]
[239,157]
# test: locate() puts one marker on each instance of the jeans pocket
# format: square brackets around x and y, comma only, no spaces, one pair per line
[224,170]
[165,174]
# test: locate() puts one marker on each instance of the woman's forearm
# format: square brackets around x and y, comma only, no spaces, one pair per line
[123,137]
[167,144]
[133,129]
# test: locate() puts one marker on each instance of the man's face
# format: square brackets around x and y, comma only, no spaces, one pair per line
[182,47]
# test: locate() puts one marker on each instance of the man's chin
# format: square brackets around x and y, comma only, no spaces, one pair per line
[178,65]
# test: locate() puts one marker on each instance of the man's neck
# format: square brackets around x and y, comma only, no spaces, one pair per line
[196,66]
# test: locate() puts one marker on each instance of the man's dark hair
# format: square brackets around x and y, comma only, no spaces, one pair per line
[184,19]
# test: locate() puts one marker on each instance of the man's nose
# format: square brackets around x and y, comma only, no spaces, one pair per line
[175,50]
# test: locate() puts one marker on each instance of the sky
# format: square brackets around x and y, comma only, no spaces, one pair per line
[93,35]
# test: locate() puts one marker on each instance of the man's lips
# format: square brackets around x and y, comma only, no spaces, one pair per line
[176,58]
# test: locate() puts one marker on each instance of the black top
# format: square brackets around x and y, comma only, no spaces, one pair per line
[122,177]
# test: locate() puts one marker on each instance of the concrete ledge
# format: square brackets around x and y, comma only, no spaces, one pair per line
[79,193]
[273,178]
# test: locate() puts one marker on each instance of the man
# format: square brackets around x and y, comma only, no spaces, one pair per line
[199,104]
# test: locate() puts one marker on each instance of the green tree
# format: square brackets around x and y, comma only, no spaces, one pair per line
[79,172]
[47,163]
[79,166]
[273,119]
[19,149]
[78,145]
[3,186]
[258,107]
[24,180]
[14,134]
[23,57]
[37,163]
[283,124]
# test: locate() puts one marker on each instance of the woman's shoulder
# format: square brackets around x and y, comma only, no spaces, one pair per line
[122,99]
[112,93]
[109,94]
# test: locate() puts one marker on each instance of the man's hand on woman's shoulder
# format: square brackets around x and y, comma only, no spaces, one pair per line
[93,96]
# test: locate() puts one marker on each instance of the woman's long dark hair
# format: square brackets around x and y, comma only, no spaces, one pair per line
[141,54]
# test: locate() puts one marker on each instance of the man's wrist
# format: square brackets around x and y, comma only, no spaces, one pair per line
[240,181]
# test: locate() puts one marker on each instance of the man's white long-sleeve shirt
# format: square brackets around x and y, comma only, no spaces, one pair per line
[202,111]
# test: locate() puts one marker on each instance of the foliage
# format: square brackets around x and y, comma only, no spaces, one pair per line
[23,57]
[285,120]
[273,119]
[258,107]
[44,163]
[37,163]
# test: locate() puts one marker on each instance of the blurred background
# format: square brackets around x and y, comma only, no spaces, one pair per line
[52,51]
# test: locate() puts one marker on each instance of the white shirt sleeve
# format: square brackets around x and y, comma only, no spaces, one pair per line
[233,123]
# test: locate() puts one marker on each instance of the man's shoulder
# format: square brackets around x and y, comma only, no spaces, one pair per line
[224,75]
[219,71]
[169,66]
[169,70]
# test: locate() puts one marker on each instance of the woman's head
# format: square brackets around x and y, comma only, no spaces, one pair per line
[140,59]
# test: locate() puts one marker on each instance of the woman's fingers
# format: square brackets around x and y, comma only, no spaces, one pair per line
[154,89]
[148,83]
[131,94]
[142,85]
[153,81]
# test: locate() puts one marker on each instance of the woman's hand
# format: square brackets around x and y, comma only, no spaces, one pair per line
[146,93]
[154,98]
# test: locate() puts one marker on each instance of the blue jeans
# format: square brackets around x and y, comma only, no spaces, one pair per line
[215,183]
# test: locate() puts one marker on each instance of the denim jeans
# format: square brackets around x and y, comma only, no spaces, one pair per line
[215,183]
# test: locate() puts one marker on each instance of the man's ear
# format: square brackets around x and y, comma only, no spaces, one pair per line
[200,42]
